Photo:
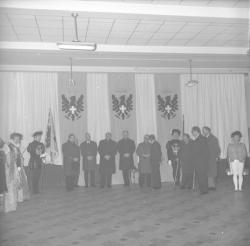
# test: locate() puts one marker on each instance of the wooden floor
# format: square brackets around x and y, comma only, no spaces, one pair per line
[130,216]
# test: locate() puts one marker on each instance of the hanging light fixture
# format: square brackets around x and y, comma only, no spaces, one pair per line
[72,83]
[191,81]
[76,44]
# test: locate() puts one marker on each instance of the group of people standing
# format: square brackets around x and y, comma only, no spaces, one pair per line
[194,161]
[149,153]
[14,183]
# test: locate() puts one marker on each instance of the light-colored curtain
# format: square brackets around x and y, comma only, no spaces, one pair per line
[98,112]
[25,100]
[145,105]
[218,101]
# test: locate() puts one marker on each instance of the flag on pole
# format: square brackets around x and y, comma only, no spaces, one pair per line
[50,140]
[183,125]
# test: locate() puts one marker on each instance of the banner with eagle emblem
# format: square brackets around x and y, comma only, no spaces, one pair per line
[168,106]
[122,106]
[72,107]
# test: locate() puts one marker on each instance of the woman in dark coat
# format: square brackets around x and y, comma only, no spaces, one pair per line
[71,160]
[186,161]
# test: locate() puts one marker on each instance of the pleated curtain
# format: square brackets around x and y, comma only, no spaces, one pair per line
[218,101]
[145,105]
[98,111]
[25,101]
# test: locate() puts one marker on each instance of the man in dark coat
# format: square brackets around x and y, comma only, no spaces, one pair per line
[71,161]
[126,149]
[89,151]
[107,149]
[155,157]
[214,155]
[173,148]
[200,159]
[36,150]
[144,166]
[186,161]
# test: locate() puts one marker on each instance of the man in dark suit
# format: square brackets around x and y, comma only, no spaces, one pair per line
[107,149]
[71,161]
[214,154]
[155,157]
[200,159]
[89,152]
[126,149]
[36,150]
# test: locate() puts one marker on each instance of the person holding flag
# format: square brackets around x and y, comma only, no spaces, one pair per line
[36,150]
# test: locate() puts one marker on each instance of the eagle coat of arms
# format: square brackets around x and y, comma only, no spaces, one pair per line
[72,107]
[122,106]
[168,106]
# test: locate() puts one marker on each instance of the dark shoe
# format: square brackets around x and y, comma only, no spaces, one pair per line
[86,186]
[204,192]
[212,188]
[182,187]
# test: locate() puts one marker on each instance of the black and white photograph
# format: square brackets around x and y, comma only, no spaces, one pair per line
[124,122]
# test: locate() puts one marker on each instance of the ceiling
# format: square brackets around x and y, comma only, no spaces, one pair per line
[42,28]
[209,3]
[24,24]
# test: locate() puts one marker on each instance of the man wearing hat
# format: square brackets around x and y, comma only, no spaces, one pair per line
[36,150]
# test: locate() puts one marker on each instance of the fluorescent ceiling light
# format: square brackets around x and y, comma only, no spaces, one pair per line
[76,46]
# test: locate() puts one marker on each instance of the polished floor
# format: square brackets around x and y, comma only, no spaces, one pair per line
[130,216]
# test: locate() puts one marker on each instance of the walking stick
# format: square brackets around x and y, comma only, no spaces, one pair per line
[42,176]
[176,172]
[194,181]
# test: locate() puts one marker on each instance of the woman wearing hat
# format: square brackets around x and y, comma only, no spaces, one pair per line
[237,154]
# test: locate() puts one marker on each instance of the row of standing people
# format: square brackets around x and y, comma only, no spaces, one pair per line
[193,160]
[149,153]
[14,184]
[198,156]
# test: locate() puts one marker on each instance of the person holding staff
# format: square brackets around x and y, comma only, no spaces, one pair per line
[173,148]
